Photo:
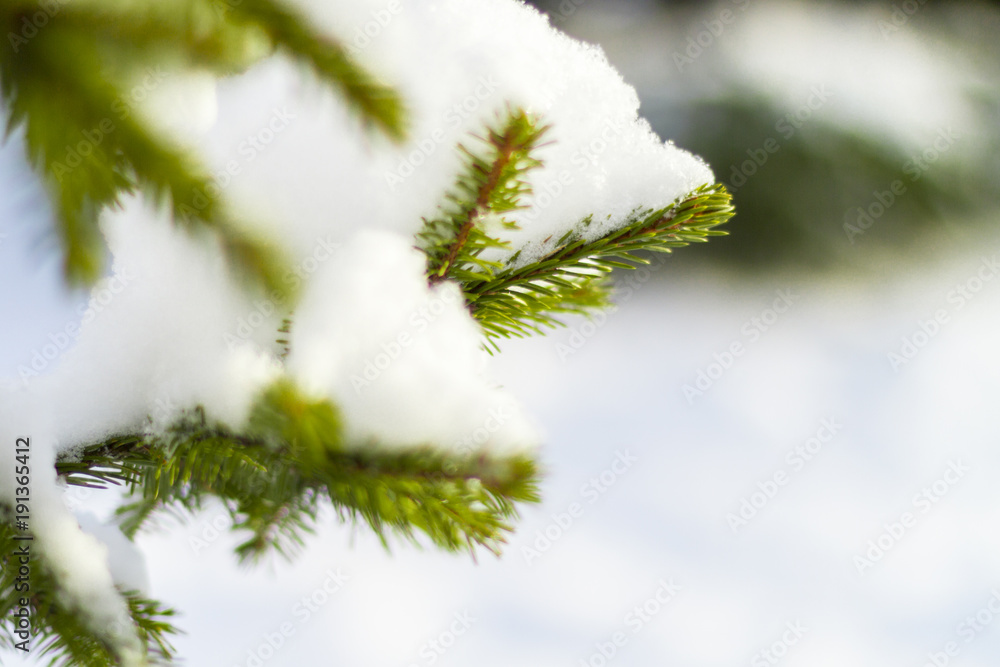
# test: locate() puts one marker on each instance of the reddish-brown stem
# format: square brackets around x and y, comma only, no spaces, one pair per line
[505,149]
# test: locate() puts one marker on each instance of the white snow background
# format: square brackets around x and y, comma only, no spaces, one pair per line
[668,473]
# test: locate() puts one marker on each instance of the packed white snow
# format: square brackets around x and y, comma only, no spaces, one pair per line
[125,560]
[409,371]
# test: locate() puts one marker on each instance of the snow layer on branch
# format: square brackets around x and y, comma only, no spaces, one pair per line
[459,65]
[403,360]
[160,335]
[152,342]
[126,563]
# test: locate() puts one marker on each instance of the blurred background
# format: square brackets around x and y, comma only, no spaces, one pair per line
[780,447]
[808,110]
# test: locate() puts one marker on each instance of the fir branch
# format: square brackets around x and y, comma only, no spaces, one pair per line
[274,477]
[66,642]
[458,503]
[188,460]
[491,183]
[520,300]
[79,192]
[59,632]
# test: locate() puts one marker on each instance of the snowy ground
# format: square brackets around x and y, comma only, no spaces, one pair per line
[669,471]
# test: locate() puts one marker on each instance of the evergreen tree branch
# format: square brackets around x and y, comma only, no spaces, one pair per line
[66,642]
[51,130]
[58,631]
[516,299]
[275,475]
[274,478]
[520,300]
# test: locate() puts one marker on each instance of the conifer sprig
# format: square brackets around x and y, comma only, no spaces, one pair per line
[490,185]
[515,298]
[67,642]
[519,300]
[274,478]
[59,632]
